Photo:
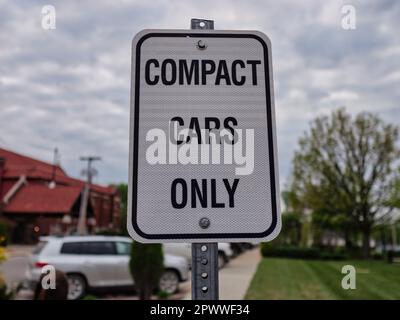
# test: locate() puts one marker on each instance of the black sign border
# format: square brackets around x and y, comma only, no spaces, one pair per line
[271,148]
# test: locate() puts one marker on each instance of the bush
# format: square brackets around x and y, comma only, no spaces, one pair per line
[2,254]
[5,294]
[268,250]
[390,255]
[333,256]
[377,256]
[146,266]
[289,252]
[4,233]
[162,295]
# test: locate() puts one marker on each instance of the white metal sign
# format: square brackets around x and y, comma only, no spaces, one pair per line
[203,162]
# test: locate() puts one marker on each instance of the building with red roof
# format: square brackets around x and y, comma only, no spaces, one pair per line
[38,198]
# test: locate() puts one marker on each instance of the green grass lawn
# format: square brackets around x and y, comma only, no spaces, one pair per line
[311,279]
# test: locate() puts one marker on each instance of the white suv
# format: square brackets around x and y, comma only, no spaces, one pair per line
[97,262]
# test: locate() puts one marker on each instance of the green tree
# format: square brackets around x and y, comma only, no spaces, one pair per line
[291,233]
[146,266]
[394,198]
[344,169]
[291,229]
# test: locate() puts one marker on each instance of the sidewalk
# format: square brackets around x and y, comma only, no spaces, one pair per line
[16,250]
[235,277]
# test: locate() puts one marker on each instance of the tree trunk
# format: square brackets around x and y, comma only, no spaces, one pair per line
[145,293]
[348,241]
[366,242]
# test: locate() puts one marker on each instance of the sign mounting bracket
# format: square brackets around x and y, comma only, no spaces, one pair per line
[201,24]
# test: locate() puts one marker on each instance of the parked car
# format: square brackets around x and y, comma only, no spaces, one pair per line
[225,252]
[238,248]
[93,262]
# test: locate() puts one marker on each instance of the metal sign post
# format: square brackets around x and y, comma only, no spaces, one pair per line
[205,271]
[204,255]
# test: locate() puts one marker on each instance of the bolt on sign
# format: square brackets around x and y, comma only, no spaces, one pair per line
[203,157]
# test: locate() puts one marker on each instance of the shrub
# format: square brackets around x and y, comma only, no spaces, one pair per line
[162,295]
[268,250]
[377,256]
[4,233]
[289,252]
[5,294]
[146,266]
[333,256]
[2,254]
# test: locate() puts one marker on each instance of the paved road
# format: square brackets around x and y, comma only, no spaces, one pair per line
[13,270]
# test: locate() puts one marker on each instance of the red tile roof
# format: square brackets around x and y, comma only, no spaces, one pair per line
[94,187]
[39,198]
[35,196]
[17,165]
[5,186]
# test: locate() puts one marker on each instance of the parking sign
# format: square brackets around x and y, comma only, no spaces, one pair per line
[203,157]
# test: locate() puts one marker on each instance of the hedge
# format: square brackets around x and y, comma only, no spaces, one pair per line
[300,253]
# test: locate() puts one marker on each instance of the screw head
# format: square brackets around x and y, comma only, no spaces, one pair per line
[201,45]
[204,223]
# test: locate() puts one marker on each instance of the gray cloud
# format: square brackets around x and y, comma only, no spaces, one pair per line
[69,87]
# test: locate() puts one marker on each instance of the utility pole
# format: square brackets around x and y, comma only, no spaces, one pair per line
[56,163]
[85,196]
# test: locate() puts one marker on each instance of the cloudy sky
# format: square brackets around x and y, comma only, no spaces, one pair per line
[69,87]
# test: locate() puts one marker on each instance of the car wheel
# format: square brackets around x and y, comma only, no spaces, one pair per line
[237,248]
[221,260]
[169,282]
[76,286]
